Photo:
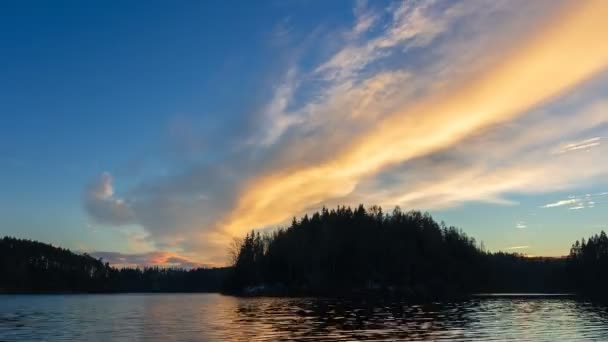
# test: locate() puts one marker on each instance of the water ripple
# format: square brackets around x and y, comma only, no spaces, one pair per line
[212,317]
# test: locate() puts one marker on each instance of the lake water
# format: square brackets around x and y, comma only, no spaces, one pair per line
[213,317]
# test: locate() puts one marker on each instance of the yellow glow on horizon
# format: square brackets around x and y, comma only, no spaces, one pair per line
[569,49]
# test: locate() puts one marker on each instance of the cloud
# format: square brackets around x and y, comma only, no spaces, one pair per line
[282,31]
[501,93]
[424,105]
[172,211]
[412,25]
[156,258]
[364,18]
[103,206]
[580,145]
[275,116]
[577,202]
[517,247]
[521,225]
[561,203]
[510,158]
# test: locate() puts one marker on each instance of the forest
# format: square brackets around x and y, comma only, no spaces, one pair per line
[588,266]
[34,267]
[365,250]
[342,251]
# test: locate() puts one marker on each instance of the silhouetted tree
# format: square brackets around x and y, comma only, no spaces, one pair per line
[588,265]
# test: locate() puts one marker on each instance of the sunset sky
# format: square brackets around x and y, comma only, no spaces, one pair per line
[153,132]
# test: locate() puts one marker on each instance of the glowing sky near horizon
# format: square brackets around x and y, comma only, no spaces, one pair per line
[154,134]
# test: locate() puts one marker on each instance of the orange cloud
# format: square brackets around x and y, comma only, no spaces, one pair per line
[157,258]
[568,49]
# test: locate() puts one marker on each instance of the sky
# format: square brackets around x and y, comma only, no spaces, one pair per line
[154,133]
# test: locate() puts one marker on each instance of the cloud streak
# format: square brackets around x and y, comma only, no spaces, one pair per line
[577,202]
[517,247]
[580,145]
[536,71]
[561,203]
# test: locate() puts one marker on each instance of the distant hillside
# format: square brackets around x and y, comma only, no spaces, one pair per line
[31,266]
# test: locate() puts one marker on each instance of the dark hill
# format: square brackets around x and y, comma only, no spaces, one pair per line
[342,251]
[34,267]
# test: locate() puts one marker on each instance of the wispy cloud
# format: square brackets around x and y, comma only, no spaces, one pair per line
[580,145]
[504,159]
[517,247]
[365,18]
[577,207]
[521,225]
[577,202]
[438,121]
[561,203]
[275,113]
[412,25]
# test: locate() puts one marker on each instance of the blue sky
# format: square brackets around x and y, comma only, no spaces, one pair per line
[158,131]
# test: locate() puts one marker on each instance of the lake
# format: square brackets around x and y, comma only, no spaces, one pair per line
[213,317]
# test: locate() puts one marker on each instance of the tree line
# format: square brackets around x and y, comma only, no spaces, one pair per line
[334,251]
[35,267]
[365,250]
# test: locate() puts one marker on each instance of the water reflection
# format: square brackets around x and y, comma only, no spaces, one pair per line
[210,317]
[329,319]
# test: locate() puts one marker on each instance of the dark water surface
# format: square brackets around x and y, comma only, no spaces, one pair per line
[213,317]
